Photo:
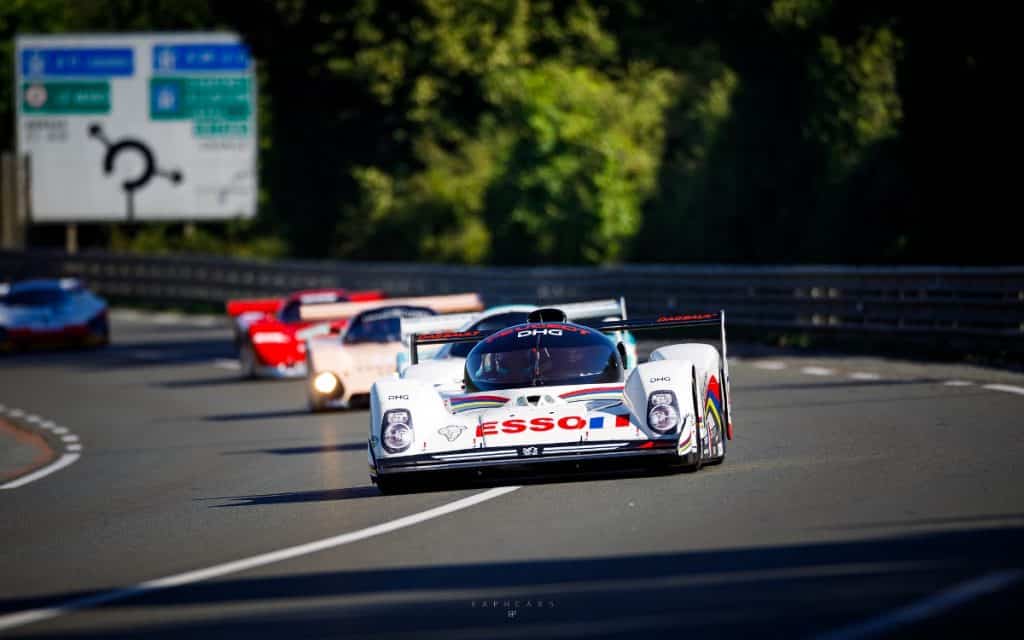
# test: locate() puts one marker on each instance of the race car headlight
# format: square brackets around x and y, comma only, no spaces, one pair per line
[662,411]
[396,432]
[325,383]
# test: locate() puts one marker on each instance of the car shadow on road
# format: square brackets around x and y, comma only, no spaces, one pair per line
[787,591]
[347,493]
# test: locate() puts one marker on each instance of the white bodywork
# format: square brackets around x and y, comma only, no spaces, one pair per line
[548,424]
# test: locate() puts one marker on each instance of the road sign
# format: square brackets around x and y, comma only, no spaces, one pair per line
[137,126]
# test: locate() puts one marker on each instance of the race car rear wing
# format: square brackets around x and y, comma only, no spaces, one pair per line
[239,306]
[664,321]
[453,303]
[452,321]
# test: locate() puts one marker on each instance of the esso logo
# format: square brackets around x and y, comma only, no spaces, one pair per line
[526,333]
[661,379]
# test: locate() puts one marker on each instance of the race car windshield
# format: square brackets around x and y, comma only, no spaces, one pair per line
[35,298]
[487,326]
[382,325]
[530,355]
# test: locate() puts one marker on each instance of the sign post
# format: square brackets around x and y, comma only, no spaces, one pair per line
[137,127]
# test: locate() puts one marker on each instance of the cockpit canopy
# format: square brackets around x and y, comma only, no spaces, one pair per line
[383,324]
[542,354]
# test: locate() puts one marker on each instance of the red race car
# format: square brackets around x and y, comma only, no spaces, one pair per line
[265,330]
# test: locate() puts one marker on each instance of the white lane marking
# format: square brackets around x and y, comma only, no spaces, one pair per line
[770,365]
[45,613]
[865,375]
[816,371]
[69,440]
[227,364]
[3,408]
[60,463]
[167,318]
[205,321]
[1008,388]
[957,383]
[927,608]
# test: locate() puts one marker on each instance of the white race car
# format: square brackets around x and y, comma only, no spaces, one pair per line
[547,391]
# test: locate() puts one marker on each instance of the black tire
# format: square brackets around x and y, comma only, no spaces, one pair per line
[247,360]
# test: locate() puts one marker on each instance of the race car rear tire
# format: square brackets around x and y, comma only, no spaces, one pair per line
[247,360]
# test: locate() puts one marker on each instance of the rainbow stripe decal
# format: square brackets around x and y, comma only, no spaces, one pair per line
[713,406]
[593,393]
[469,403]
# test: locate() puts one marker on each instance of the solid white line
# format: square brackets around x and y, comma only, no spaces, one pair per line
[60,463]
[864,375]
[36,615]
[770,365]
[816,371]
[227,364]
[927,608]
[1008,388]
[957,383]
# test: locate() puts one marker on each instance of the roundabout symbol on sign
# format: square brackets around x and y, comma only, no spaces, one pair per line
[149,166]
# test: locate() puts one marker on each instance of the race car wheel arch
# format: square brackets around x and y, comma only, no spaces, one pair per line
[697,426]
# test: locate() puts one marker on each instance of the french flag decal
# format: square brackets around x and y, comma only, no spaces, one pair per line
[597,422]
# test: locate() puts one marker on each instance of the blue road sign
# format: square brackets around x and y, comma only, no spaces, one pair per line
[170,58]
[103,62]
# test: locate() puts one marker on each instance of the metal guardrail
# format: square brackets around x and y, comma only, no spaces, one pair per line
[969,301]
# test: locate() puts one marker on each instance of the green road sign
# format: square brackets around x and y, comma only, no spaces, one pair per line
[208,99]
[65,98]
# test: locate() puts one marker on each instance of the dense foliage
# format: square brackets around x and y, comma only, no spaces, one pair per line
[598,131]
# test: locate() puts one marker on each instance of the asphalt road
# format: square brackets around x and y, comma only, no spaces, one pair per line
[860,496]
